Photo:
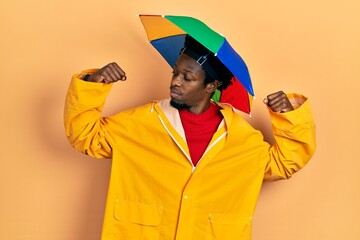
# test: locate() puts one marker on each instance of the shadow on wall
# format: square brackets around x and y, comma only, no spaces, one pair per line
[81,180]
[261,121]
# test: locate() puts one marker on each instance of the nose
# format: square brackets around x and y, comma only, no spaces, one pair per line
[176,80]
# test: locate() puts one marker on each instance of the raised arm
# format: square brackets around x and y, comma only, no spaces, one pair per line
[294,133]
[85,129]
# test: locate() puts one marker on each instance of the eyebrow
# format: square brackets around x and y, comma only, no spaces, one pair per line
[186,70]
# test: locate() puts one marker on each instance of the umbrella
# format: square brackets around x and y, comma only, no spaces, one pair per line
[167,34]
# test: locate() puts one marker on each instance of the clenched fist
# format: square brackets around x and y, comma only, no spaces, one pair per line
[108,74]
[278,102]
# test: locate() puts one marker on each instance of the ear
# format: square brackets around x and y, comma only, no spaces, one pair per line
[211,87]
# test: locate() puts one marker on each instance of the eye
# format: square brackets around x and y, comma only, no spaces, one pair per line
[187,78]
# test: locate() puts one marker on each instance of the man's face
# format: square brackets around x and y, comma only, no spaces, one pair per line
[187,89]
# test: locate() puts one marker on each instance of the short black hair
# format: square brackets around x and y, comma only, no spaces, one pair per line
[224,75]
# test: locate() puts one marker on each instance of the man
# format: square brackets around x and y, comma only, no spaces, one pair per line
[185,168]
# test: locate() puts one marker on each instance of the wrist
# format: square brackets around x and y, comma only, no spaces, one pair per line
[86,77]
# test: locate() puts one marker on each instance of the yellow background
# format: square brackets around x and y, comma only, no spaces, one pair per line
[50,191]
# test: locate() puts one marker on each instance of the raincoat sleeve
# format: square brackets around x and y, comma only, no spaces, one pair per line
[84,127]
[295,143]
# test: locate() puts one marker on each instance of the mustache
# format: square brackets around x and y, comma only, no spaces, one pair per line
[174,90]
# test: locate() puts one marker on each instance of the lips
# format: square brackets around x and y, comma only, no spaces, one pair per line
[174,93]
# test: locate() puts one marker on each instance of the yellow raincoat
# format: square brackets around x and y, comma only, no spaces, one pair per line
[156,193]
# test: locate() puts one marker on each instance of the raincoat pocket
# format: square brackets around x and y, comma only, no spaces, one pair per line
[229,227]
[136,220]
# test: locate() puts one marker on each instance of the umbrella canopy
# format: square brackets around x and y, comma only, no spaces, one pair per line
[167,35]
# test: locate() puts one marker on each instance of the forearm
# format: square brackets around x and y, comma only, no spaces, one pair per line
[295,139]
[83,125]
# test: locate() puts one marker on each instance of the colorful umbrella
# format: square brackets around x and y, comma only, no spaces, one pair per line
[167,35]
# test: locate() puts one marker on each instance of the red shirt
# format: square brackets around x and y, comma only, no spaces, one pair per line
[199,129]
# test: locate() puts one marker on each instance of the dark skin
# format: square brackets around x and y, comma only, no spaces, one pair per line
[108,74]
[187,86]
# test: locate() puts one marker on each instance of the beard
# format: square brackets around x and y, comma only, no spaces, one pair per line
[179,106]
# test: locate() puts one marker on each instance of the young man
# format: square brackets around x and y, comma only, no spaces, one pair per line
[185,168]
